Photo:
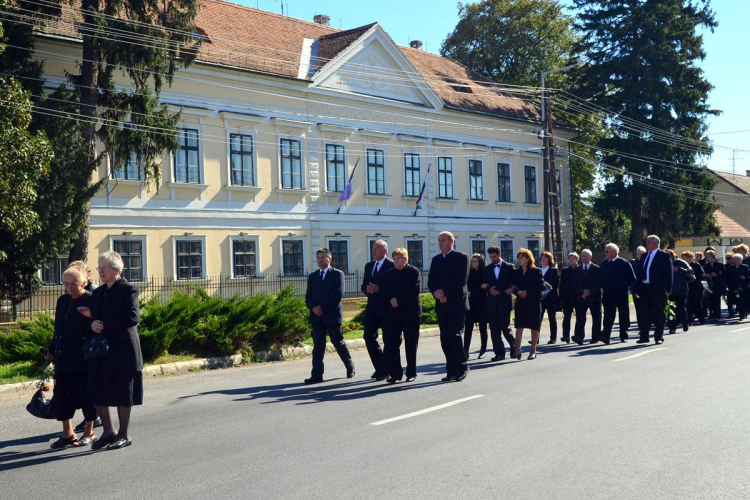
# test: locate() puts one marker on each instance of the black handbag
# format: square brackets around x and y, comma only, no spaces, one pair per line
[95,348]
[41,407]
[546,291]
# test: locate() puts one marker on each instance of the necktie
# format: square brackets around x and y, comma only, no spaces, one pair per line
[322,275]
[644,275]
[376,269]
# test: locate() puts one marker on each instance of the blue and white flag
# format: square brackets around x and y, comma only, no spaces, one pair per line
[348,189]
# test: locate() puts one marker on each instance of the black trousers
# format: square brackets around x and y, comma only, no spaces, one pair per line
[653,302]
[680,313]
[333,331]
[637,303]
[451,324]
[549,307]
[714,301]
[596,318]
[741,305]
[695,306]
[731,304]
[371,326]
[499,319]
[69,394]
[568,308]
[469,329]
[396,330]
[619,305]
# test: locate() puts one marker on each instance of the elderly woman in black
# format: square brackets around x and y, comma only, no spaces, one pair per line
[116,379]
[549,303]
[477,312]
[71,331]
[527,285]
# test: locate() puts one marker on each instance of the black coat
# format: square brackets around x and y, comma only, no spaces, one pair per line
[377,306]
[450,274]
[567,292]
[696,287]
[477,296]
[660,271]
[617,277]
[501,284]
[117,307]
[552,277]
[405,286]
[734,278]
[72,329]
[327,294]
[528,309]
[716,284]
[590,280]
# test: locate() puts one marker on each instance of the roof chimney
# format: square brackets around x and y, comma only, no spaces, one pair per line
[322,19]
[416,44]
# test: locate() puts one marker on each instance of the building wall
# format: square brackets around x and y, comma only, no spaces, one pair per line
[731,204]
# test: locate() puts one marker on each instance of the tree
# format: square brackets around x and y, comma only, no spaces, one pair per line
[511,41]
[643,66]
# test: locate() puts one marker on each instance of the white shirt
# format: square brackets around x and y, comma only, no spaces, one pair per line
[586,266]
[323,273]
[497,269]
[446,254]
[650,257]
[544,270]
[377,266]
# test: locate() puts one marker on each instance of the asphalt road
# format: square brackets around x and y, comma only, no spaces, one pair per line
[596,422]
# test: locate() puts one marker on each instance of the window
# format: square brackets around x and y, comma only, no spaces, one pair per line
[416,253]
[411,174]
[340,254]
[503,182]
[187,157]
[530,183]
[375,171]
[241,160]
[506,250]
[244,258]
[533,246]
[131,171]
[559,187]
[335,168]
[476,181]
[131,252]
[445,177]
[189,259]
[293,257]
[53,271]
[291,164]
[480,247]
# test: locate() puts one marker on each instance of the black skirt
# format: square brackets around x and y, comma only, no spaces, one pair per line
[528,313]
[69,395]
[115,388]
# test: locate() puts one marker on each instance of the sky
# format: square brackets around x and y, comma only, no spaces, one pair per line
[726,64]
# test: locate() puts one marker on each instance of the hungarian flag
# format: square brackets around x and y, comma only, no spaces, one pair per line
[420,200]
[347,193]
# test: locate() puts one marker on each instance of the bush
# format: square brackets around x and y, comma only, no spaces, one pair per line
[26,342]
[429,316]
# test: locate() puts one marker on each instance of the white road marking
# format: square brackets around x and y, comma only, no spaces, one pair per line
[426,410]
[740,330]
[649,351]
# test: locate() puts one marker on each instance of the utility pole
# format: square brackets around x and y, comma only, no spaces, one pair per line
[554,195]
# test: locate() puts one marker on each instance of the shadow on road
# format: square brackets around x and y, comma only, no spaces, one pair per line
[16,460]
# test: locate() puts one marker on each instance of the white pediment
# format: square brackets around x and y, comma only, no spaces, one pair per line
[375,66]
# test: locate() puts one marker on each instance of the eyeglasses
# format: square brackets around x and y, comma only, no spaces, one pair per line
[100,269]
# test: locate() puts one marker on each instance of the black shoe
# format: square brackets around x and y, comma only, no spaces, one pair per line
[606,341]
[512,354]
[82,426]
[551,341]
[103,442]
[391,380]
[462,376]
[577,340]
[687,327]
[566,340]
[623,339]
[375,375]
[120,443]
[313,380]
[411,379]
[380,378]
[448,378]
[592,341]
[350,372]
[642,341]
[498,358]
[659,341]
[481,355]
[672,332]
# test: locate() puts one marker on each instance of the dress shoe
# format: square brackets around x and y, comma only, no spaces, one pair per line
[512,353]
[459,378]
[532,356]
[551,341]
[642,341]
[660,341]
[448,378]
[672,332]
[313,380]
[687,327]
[82,426]
[577,340]
[519,353]
[350,372]
[566,340]
[392,380]
[481,355]
[498,358]
[624,339]
[380,378]
[411,379]
[593,341]
[606,341]
[376,374]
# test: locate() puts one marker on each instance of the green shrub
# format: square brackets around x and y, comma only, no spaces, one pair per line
[26,342]
[429,316]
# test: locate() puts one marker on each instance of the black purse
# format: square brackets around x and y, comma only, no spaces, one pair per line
[96,348]
[40,406]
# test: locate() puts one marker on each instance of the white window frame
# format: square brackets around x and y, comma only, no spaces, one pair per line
[424,250]
[204,251]
[248,237]
[539,242]
[42,270]
[453,176]
[373,239]
[486,246]
[144,249]
[507,258]
[305,258]
[324,155]
[303,160]
[483,176]
[508,162]
[421,156]
[348,240]
[383,149]
[111,170]
[253,134]
[536,184]
[201,153]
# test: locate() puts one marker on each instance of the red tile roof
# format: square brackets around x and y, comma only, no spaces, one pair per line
[741,182]
[730,227]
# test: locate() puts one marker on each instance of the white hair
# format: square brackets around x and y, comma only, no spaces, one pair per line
[381,243]
[586,251]
[640,249]
[614,247]
[653,237]
[738,256]
[113,259]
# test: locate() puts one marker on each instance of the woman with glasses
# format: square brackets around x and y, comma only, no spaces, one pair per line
[477,312]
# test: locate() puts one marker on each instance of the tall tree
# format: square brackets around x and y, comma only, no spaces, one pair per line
[643,57]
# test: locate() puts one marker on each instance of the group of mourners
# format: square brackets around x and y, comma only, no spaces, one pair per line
[668,291]
[85,312]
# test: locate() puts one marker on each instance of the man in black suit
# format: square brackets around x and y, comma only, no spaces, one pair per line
[695,290]
[449,272]
[567,294]
[588,290]
[617,278]
[636,265]
[323,298]
[714,274]
[654,285]
[377,307]
[497,281]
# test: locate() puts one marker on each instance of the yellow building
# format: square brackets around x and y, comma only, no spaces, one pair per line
[277,112]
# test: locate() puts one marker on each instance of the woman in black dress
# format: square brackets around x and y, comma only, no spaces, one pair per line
[549,303]
[117,379]
[527,286]
[71,331]
[477,312]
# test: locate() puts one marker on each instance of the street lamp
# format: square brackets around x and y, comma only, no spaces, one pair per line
[578,64]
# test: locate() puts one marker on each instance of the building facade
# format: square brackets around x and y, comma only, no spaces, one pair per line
[278,114]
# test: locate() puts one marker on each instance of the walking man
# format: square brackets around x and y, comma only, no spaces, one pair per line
[654,287]
[497,282]
[377,307]
[617,278]
[588,290]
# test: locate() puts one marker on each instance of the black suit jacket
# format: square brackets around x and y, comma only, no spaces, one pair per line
[118,308]
[377,306]
[450,274]
[636,265]
[327,294]
[501,283]
[587,280]
[71,332]
[567,292]
[661,274]
[717,283]
[405,286]
[696,287]
[553,279]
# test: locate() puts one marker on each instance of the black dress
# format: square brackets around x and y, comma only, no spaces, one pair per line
[477,298]
[528,310]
